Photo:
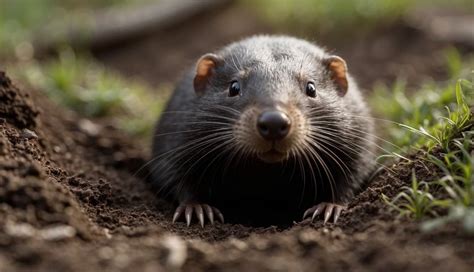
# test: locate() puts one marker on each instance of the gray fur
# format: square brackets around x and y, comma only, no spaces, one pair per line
[271,64]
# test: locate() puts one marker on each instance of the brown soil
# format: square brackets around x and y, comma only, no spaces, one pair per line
[71,198]
[69,201]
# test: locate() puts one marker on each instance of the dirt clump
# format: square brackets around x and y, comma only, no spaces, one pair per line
[15,106]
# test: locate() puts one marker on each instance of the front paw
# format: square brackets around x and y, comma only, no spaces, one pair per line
[329,209]
[199,209]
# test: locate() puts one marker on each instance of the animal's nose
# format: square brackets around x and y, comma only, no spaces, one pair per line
[273,125]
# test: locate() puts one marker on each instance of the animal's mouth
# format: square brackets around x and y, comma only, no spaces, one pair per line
[272,156]
[271,134]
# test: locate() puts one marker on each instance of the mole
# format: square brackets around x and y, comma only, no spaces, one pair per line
[266,130]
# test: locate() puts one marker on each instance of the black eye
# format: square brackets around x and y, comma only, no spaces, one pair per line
[310,89]
[234,88]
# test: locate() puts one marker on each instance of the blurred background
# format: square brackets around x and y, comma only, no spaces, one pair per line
[119,59]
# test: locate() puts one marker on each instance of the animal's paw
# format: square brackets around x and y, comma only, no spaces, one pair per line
[199,209]
[329,209]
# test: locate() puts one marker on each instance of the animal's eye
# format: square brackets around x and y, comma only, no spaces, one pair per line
[234,88]
[310,89]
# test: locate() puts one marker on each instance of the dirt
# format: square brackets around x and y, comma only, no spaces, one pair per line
[73,197]
[71,200]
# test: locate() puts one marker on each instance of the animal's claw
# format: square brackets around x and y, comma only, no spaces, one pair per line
[337,213]
[219,214]
[328,213]
[209,212]
[177,213]
[200,214]
[199,209]
[188,214]
[329,209]
[317,211]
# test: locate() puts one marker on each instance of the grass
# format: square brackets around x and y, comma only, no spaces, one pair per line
[339,16]
[457,165]
[76,82]
[20,20]
[79,83]
[415,201]
[320,15]
[440,122]
[435,113]
[452,191]
[444,131]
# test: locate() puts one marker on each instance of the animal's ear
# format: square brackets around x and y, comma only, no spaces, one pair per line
[205,68]
[338,71]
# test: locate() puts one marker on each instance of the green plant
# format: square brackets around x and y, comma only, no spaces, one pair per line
[311,15]
[458,120]
[457,166]
[414,201]
[457,182]
[457,213]
[79,83]
[424,111]
[21,20]
[338,16]
[450,145]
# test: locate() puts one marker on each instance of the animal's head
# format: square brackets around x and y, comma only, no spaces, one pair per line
[272,95]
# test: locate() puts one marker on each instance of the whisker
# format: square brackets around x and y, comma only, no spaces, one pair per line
[197,146]
[328,131]
[346,114]
[202,157]
[350,131]
[348,145]
[337,160]
[176,150]
[173,161]
[326,170]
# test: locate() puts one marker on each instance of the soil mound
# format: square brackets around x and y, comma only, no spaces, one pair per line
[70,201]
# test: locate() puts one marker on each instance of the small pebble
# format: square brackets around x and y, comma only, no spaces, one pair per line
[28,134]
[22,230]
[239,244]
[107,233]
[57,233]
[89,127]
[177,251]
